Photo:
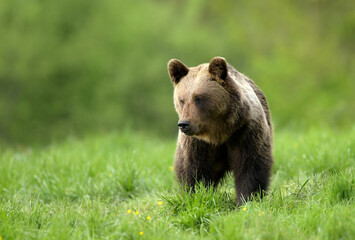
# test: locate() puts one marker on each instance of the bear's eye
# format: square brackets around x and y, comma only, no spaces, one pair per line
[198,100]
[181,102]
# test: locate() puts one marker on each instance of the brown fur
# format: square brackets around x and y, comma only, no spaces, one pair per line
[227,127]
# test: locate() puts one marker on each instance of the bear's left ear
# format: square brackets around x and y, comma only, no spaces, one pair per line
[177,70]
[218,68]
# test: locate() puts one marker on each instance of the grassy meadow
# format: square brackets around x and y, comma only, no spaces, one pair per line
[121,186]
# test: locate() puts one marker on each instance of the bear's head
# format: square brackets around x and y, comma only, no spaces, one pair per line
[206,99]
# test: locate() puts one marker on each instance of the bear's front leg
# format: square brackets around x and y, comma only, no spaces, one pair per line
[196,161]
[252,173]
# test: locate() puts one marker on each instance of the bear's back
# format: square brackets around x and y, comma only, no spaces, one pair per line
[262,100]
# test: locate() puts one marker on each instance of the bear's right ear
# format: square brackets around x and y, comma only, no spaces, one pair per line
[177,70]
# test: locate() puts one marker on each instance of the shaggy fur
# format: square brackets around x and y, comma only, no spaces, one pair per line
[225,126]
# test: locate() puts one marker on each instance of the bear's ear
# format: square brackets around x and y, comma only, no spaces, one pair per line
[218,67]
[177,70]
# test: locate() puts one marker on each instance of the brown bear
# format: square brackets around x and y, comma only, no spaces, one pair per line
[225,125]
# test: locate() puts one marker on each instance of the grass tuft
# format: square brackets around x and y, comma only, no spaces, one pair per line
[196,210]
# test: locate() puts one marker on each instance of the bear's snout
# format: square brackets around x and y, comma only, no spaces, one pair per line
[184,126]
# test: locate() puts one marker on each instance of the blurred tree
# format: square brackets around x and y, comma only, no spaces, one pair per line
[74,67]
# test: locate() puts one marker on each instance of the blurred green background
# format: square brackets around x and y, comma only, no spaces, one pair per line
[76,67]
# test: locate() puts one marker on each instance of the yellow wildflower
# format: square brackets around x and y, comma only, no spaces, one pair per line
[136,213]
[244,209]
[128,212]
[262,213]
[141,233]
[148,218]
[160,203]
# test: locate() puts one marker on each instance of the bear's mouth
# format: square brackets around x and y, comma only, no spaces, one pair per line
[189,133]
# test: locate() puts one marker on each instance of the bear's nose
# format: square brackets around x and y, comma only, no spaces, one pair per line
[184,126]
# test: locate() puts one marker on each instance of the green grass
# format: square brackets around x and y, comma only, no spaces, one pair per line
[82,189]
